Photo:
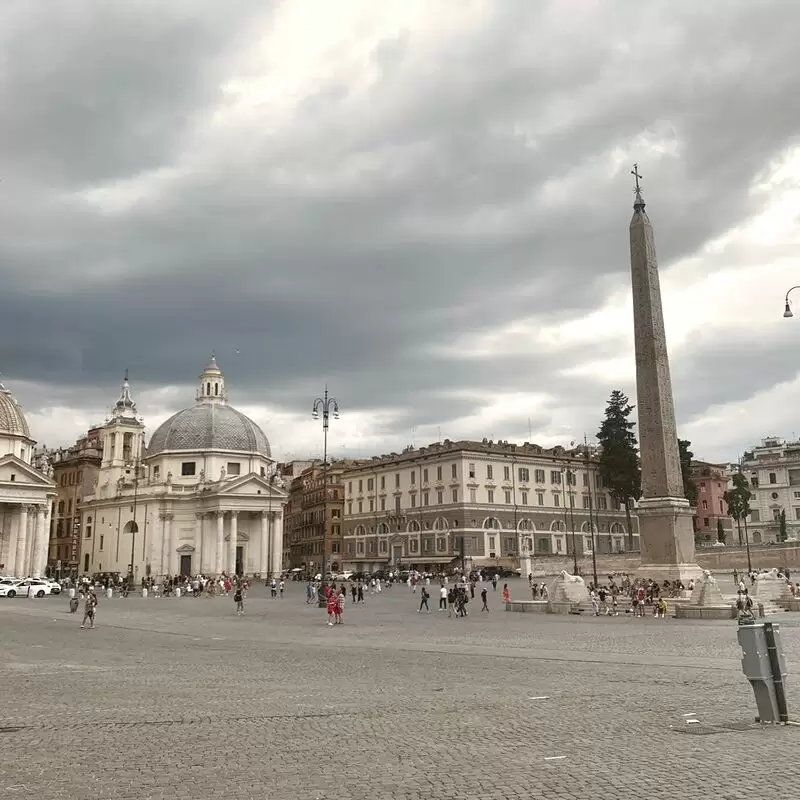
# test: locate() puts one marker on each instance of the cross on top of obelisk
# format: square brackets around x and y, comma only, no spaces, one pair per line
[639,201]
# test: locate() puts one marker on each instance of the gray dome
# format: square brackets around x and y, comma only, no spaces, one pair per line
[209,426]
[12,420]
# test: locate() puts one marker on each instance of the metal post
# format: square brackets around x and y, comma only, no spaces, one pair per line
[747,546]
[324,405]
[134,527]
[777,678]
[591,521]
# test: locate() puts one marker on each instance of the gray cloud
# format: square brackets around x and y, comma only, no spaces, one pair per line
[371,227]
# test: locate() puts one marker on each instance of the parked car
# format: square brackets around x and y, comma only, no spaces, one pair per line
[9,587]
[36,587]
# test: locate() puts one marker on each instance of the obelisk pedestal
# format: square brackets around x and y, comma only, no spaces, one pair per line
[666,532]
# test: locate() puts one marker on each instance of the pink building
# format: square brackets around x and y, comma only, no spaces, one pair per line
[711,482]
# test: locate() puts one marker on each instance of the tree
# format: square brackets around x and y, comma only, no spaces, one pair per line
[619,455]
[738,500]
[782,534]
[689,486]
[720,531]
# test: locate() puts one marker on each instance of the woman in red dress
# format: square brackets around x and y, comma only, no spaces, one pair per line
[333,607]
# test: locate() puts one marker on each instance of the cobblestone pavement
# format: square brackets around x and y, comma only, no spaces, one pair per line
[177,698]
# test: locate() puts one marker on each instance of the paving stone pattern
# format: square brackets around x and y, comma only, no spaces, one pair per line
[175,698]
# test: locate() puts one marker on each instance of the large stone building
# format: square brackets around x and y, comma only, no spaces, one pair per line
[773,471]
[200,498]
[485,503]
[711,481]
[75,472]
[313,526]
[26,496]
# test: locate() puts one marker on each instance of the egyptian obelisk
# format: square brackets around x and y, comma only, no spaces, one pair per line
[666,533]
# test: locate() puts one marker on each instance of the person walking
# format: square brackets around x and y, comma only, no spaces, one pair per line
[238,598]
[423,602]
[443,598]
[353,592]
[506,594]
[89,608]
[484,598]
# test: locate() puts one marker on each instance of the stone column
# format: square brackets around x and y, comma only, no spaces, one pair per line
[21,566]
[197,561]
[174,563]
[156,549]
[277,544]
[166,526]
[263,566]
[220,548]
[11,557]
[234,533]
[39,542]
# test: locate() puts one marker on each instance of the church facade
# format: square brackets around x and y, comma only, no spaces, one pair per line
[201,497]
[26,496]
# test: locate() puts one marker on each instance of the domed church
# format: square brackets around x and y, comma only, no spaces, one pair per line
[200,498]
[26,496]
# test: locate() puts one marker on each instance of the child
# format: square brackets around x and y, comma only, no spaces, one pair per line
[340,607]
[506,594]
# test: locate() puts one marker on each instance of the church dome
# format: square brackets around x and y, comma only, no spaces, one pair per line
[208,426]
[12,420]
[211,424]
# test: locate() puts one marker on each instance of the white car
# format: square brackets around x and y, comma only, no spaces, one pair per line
[55,587]
[36,587]
[9,587]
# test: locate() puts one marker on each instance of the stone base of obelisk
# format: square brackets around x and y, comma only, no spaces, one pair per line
[666,534]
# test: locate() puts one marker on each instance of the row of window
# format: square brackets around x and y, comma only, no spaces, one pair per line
[600,501]
[523,474]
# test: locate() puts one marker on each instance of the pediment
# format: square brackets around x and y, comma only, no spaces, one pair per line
[23,473]
[252,486]
[186,548]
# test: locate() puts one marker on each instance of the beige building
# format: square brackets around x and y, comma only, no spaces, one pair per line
[773,471]
[75,471]
[483,503]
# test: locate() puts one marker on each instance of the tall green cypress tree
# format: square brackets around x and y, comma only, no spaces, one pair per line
[619,455]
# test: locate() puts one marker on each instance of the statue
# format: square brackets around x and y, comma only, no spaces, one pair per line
[47,467]
[202,476]
[222,474]
[707,577]
[169,478]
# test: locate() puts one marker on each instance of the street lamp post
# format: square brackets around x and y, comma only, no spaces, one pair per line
[565,477]
[134,526]
[787,308]
[591,510]
[324,406]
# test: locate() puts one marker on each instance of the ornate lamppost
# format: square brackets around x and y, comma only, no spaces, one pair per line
[324,406]
[787,308]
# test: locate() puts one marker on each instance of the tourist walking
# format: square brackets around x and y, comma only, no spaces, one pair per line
[484,598]
[423,602]
[89,608]
[506,594]
[310,592]
[443,599]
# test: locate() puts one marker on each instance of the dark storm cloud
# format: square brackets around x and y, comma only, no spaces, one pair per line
[369,229]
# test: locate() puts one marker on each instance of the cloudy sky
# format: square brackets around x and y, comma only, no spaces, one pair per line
[423,203]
